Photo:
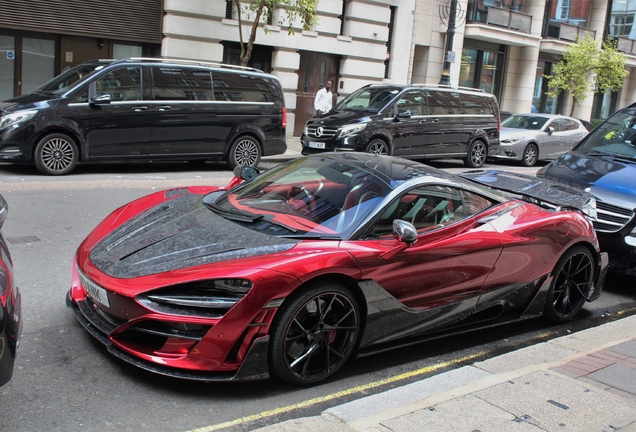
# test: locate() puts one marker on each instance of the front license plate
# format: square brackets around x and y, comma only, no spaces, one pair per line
[95,292]
[316,145]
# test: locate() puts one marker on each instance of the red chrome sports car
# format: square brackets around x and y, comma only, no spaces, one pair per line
[295,270]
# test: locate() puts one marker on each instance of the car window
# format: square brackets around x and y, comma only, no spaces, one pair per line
[443,102]
[615,136]
[569,124]
[411,103]
[556,124]
[231,86]
[177,83]
[525,122]
[476,104]
[123,84]
[474,203]
[427,208]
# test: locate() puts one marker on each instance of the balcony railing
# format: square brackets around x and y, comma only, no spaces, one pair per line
[568,32]
[509,19]
[628,46]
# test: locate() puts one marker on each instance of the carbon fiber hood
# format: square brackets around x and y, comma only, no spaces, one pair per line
[177,234]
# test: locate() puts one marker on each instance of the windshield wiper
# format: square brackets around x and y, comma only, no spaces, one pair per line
[273,222]
[236,215]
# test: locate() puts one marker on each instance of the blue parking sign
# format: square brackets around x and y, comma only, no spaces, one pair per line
[10,55]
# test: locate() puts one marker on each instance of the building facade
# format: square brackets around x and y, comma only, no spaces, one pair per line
[503,47]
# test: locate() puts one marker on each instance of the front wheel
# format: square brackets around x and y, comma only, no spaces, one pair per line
[314,333]
[55,154]
[245,151]
[476,155]
[573,277]
[530,155]
[377,146]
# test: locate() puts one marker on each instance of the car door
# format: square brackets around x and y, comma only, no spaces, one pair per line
[573,133]
[120,117]
[449,134]
[184,113]
[448,264]
[407,124]
[554,143]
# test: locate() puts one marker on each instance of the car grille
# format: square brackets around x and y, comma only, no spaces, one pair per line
[611,218]
[322,132]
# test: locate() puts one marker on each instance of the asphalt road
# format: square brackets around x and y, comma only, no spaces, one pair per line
[66,381]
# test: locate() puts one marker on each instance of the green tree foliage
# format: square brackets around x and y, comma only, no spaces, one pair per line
[605,66]
[291,11]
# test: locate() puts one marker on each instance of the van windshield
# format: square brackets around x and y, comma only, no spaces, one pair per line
[69,78]
[369,99]
[615,137]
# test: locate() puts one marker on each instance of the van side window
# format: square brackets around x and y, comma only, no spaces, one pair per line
[411,103]
[443,102]
[123,84]
[182,83]
[476,104]
[232,86]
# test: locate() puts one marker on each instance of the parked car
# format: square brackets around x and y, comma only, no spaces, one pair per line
[410,121]
[531,137]
[145,109]
[294,271]
[10,306]
[604,164]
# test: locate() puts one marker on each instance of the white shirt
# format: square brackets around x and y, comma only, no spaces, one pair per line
[323,100]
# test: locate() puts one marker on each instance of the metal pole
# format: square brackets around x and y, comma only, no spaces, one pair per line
[450,35]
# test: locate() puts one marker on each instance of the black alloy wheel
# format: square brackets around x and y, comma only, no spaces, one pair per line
[377,146]
[530,155]
[314,333]
[245,151]
[476,155]
[55,154]
[573,277]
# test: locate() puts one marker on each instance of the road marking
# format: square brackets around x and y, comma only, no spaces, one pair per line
[339,394]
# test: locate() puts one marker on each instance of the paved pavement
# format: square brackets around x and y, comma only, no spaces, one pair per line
[585,381]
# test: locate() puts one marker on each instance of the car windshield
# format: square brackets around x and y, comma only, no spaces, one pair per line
[525,122]
[305,198]
[69,78]
[370,99]
[616,136]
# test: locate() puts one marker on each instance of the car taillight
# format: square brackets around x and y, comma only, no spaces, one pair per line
[284,117]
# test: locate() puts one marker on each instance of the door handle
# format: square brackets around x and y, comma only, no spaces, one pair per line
[435,120]
[140,108]
[164,108]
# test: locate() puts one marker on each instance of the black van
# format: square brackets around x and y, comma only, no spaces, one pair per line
[145,109]
[411,121]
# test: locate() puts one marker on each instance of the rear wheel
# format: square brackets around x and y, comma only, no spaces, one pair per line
[245,151]
[55,154]
[573,277]
[476,155]
[377,146]
[314,333]
[530,155]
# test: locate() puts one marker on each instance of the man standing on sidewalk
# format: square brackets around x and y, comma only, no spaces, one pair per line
[323,100]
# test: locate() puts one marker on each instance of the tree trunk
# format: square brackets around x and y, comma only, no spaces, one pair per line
[248,52]
[240,25]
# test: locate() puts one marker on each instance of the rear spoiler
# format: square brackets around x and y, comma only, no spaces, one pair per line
[537,190]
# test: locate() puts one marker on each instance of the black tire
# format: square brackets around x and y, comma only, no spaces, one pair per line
[530,155]
[573,277]
[245,151]
[314,333]
[378,146]
[476,155]
[55,154]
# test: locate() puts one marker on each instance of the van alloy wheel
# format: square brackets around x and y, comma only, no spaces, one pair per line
[244,152]
[56,154]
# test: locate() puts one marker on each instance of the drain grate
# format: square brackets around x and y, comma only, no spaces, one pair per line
[27,239]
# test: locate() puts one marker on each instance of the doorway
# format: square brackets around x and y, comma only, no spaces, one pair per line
[315,70]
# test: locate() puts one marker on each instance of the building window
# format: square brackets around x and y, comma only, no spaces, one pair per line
[477,10]
[621,19]
[482,70]
[564,12]
[541,102]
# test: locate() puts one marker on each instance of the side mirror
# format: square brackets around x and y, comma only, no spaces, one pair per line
[403,115]
[404,231]
[246,173]
[550,130]
[100,99]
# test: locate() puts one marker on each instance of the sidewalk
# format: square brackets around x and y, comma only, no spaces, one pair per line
[585,381]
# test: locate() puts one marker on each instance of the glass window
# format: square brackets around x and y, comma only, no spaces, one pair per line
[125,51]
[230,86]
[565,12]
[556,125]
[474,203]
[481,69]
[182,83]
[621,22]
[570,124]
[411,103]
[443,102]
[38,63]
[427,208]
[123,84]
[7,66]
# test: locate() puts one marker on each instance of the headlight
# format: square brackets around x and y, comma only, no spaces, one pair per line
[352,129]
[589,208]
[14,119]
[511,140]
